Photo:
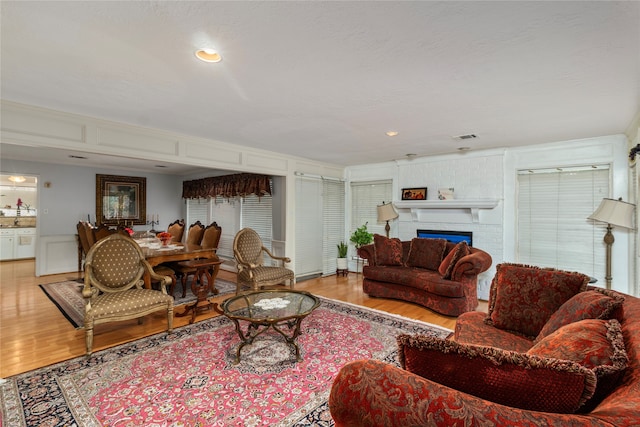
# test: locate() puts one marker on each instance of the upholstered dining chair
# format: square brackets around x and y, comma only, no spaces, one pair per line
[210,240]
[195,233]
[176,229]
[248,251]
[85,241]
[114,287]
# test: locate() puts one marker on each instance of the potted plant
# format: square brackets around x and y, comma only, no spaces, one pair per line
[341,261]
[361,236]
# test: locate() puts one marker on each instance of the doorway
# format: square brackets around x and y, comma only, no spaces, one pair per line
[18,216]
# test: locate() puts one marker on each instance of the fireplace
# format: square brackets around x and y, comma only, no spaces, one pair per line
[452,236]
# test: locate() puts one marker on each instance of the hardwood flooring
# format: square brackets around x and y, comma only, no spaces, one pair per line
[34,334]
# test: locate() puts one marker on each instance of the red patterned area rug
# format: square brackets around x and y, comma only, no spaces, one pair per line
[188,378]
[67,296]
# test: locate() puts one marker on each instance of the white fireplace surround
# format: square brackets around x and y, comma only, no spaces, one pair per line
[473,206]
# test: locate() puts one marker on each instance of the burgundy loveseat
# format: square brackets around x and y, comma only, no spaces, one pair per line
[581,369]
[434,273]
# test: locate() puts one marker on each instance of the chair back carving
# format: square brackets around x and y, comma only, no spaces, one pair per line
[211,236]
[176,229]
[195,233]
[115,264]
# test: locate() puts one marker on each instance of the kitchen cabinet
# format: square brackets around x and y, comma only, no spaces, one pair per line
[17,243]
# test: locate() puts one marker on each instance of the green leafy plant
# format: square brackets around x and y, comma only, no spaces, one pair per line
[342,250]
[361,236]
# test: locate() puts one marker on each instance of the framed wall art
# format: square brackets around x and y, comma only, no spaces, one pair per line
[414,193]
[121,199]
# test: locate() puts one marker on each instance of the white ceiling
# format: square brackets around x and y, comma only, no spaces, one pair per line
[326,80]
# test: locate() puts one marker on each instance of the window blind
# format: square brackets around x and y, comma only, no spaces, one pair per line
[333,223]
[197,210]
[553,229]
[226,212]
[309,226]
[256,213]
[365,198]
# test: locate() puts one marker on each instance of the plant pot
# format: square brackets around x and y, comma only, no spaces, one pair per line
[341,263]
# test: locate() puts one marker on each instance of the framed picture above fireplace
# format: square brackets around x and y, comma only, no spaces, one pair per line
[451,236]
[414,193]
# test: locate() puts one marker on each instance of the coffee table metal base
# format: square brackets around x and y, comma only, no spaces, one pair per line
[290,330]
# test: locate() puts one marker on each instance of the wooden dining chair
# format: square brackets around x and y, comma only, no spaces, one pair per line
[176,229]
[195,233]
[184,269]
[86,239]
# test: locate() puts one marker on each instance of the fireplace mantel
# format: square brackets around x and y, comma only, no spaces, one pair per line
[472,205]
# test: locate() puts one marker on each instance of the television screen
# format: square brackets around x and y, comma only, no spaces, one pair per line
[451,236]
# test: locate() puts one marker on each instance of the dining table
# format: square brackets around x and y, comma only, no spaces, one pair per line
[156,254]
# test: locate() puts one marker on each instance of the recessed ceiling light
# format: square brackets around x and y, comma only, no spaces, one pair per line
[161,166]
[391,133]
[208,55]
[410,155]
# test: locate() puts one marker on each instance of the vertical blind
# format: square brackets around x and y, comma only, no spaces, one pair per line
[309,225]
[333,223]
[553,229]
[365,198]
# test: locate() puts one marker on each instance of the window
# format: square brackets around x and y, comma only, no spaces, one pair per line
[232,215]
[319,224]
[365,198]
[553,229]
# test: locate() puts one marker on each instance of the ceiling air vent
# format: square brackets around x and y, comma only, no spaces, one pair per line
[467,136]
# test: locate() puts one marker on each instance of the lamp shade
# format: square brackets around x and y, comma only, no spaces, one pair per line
[614,212]
[386,212]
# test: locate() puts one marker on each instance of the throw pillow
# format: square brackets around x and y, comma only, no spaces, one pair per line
[388,251]
[523,298]
[426,253]
[593,343]
[449,262]
[590,304]
[514,379]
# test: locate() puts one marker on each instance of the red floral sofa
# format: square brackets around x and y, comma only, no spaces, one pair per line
[550,352]
[434,273]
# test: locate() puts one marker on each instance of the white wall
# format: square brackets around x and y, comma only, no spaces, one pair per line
[491,175]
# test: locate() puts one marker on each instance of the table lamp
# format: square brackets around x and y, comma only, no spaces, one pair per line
[386,213]
[613,213]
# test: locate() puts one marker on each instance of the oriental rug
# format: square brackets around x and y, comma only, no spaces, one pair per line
[67,296]
[188,378]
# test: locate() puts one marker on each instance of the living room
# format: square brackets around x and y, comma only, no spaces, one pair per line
[311,127]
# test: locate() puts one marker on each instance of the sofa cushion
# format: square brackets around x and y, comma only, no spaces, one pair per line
[471,329]
[388,251]
[426,253]
[514,379]
[590,304]
[449,262]
[595,344]
[418,278]
[523,298]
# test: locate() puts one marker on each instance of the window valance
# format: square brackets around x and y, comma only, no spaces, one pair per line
[237,185]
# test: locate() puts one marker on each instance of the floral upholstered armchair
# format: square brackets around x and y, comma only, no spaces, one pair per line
[114,287]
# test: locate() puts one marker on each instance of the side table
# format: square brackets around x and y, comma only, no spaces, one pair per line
[200,290]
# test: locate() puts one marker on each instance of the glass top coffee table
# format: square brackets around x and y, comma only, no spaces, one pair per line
[280,309]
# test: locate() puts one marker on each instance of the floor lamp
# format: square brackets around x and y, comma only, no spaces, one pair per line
[613,213]
[386,213]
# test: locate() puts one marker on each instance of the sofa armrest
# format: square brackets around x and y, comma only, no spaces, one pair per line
[367,252]
[375,393]
[471,265]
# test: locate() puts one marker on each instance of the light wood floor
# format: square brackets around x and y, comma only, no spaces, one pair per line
[34,334]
